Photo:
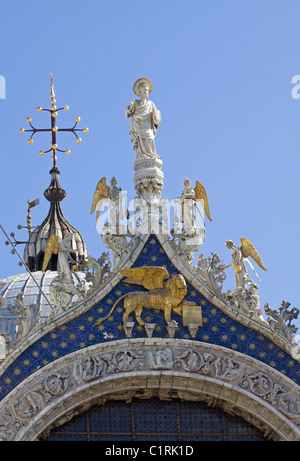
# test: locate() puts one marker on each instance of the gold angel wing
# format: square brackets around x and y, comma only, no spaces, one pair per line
[248,250]
[52,247]
[149,277]
[200,194]
[101,193]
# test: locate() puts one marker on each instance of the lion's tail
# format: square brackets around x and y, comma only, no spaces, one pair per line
[111,311]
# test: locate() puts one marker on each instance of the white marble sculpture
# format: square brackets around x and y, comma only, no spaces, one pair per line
[64,257]
[237,261]
[188,200]
[63,249]
[239,256]
[145,119]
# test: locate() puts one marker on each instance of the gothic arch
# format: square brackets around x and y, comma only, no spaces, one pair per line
[145,368]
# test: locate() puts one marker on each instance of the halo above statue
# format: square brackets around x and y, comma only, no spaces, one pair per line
[139,83]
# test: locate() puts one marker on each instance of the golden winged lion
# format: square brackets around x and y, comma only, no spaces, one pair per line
[164,293]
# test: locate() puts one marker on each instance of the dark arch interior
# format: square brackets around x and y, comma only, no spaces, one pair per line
[155,420]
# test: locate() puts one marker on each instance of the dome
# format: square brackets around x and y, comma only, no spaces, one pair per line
[55,223]
[23,283]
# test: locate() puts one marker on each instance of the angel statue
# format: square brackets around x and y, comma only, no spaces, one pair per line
[62,248]
[189,199]
[145,119]
[239,257]
[112,194]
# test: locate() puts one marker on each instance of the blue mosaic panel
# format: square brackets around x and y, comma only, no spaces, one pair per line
[218,328]
[155,420]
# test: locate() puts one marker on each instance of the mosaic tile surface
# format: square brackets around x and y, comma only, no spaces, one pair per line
[218,328]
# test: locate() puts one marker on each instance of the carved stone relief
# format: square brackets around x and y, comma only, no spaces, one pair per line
[232,374]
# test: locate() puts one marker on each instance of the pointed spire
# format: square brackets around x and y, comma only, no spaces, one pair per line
[55,223]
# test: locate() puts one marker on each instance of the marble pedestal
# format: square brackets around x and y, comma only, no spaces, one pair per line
[148,178]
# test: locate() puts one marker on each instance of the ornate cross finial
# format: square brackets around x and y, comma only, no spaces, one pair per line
[54,129]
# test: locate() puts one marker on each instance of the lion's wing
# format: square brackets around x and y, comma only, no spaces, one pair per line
[149,277]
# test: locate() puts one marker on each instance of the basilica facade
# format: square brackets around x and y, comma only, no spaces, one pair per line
[140,343]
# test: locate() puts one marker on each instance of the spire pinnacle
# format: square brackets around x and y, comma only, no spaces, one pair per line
[52,94]
[54,128]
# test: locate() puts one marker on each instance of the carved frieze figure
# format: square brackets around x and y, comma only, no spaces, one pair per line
[57,383]
[145,119]
[165,293]
[93,367]
[262,386]
[63,248]
[127,360]
[239,257]
[28,405]
[161,359]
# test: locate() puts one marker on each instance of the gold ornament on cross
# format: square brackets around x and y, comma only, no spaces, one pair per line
[54,128]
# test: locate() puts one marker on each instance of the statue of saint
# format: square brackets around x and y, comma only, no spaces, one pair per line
[145,119]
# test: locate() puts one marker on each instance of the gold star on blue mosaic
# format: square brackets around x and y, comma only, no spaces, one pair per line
[217,328]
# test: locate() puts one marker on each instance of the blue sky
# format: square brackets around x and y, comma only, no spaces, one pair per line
[222,77]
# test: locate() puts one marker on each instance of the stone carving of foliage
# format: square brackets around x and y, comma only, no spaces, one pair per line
[197,361]
[211,272]
[280,319]
[97,271]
